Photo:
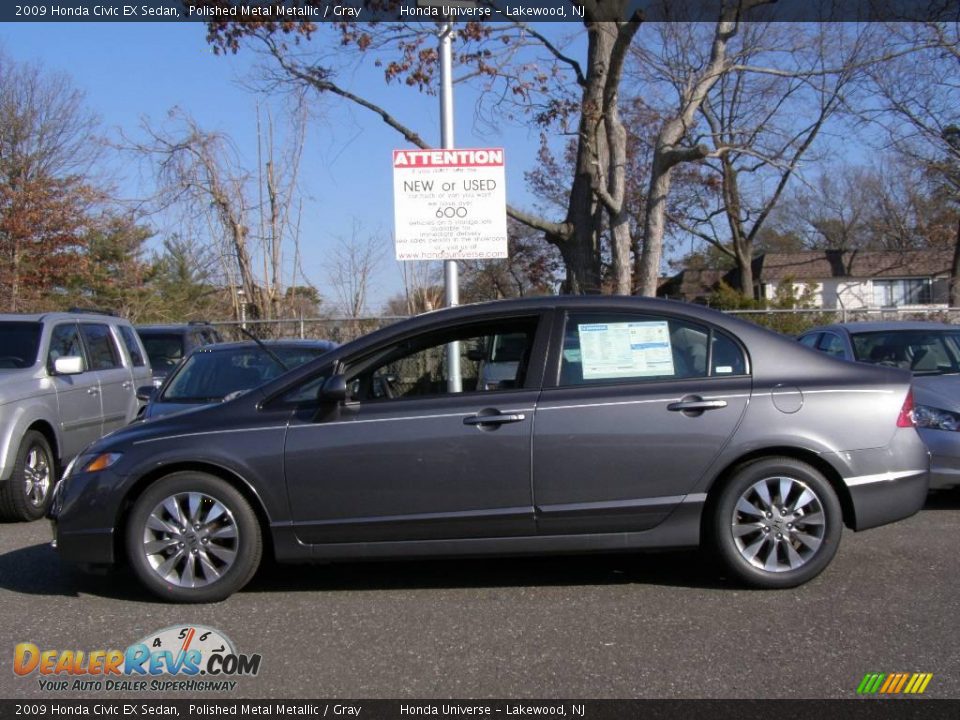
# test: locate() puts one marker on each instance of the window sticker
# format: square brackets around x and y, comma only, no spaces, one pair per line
[625,350]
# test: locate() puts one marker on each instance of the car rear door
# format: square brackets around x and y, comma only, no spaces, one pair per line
[117,394]
[407,457]
[637,408]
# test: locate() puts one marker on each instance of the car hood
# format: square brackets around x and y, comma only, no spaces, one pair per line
[17,384]
[941,391]
[217,415]
[162,409]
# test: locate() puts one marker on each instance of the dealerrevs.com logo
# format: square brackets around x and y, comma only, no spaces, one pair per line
[187,658]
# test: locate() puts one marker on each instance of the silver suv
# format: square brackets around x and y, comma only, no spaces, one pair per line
[66,379]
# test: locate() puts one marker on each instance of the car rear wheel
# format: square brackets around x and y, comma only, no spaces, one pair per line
[777,523]
[27,494]
[193,538]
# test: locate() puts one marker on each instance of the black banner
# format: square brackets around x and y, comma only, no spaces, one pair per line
[859,709]
[317,11]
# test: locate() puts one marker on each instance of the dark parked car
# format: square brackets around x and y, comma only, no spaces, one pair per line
[214,372]
[167,345]
[931,351]
[629,423]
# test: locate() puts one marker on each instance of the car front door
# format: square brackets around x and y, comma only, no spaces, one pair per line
[78,396]
[408,456]
[637,409]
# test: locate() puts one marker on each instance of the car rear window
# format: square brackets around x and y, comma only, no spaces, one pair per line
[924,352]
[209,376]
[19,344]
[164,350]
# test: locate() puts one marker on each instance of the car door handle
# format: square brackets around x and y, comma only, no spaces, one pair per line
[127,384]
[500,419]
[93,391]
[696,405]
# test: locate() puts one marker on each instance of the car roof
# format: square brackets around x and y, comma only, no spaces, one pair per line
[58,316]
[854,328]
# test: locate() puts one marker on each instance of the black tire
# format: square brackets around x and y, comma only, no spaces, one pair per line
[27,494]
[759,544]
[167,560]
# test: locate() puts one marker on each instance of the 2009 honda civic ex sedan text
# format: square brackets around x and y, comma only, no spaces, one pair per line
[620,423]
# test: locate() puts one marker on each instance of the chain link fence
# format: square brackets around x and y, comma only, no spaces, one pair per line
[798,320]
[788,322]
[338,329]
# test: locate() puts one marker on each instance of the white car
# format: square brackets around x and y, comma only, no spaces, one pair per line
[66,379]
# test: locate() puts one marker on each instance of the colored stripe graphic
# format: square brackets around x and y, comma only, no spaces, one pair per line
[894,683]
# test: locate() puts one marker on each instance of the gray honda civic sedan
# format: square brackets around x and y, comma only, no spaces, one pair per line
[627,423]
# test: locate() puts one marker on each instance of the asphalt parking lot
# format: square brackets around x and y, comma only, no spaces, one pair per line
[627,626]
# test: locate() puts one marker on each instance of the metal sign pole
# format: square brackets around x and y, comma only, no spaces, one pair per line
[451,281]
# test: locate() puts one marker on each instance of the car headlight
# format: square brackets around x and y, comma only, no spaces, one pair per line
[935,418]
[94,462]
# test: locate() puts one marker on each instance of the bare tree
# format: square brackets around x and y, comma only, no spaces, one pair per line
[201,175]
[916,100]
[518,69]
[760,127]
[351,270]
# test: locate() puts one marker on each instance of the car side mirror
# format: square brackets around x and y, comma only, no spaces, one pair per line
[334,390]
[68,365]
[476,354]
[146,393]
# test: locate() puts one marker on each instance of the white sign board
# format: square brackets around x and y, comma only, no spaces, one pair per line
[449,204]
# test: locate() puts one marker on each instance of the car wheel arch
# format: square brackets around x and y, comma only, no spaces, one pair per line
[46,429]
[806,456]
[236,481]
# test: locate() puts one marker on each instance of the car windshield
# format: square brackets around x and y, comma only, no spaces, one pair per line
[924,352]
[209,376]
[164,350]
[19,343]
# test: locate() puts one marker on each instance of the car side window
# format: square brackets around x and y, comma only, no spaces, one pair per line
[831,344]
[612,348]
[133,348]
[65,342]
[104,354]
[810,341]
[492,357]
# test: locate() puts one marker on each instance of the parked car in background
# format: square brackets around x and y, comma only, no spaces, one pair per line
[214,372]
[931,351]
[627,423]
[66,379]
[167,345]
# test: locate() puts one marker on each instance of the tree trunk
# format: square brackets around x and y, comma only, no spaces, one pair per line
[955,272]
[648,265]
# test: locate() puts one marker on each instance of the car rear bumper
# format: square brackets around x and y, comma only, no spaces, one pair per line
[885,484]
[884,501]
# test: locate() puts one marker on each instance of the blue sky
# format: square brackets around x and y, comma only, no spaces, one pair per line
[131,71]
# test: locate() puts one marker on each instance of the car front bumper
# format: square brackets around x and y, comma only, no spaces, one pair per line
[83,529]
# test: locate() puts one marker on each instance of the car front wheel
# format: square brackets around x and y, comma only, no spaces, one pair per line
[777,523]
[193,538]
[27,494]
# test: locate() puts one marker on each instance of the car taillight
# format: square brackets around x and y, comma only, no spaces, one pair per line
[906,412]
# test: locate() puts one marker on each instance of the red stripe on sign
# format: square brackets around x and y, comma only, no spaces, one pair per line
[476,157]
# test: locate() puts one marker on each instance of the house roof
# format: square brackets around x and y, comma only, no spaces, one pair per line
[691,283]
[823,264]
